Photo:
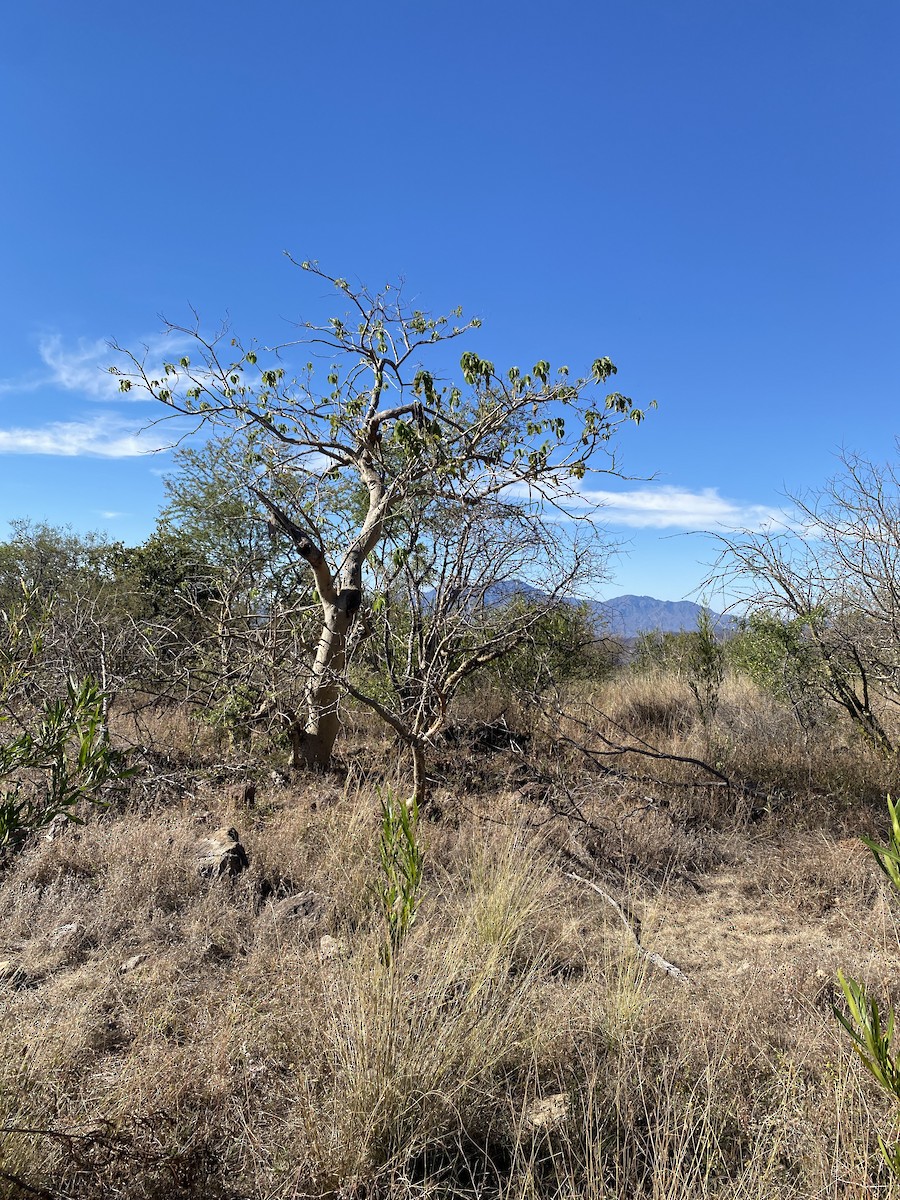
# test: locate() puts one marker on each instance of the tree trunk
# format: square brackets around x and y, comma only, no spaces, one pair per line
[420,779]
[870,727]
[860,713]
[313,744]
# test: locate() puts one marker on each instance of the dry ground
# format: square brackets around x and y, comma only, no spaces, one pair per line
[165,1035]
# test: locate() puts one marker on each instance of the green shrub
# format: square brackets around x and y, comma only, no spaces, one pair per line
[401,869]
[871,1030]
[58,753]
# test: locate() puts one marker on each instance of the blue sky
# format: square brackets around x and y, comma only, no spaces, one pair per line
[707,192]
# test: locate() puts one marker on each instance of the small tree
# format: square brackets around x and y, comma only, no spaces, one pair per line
[836,572]
[387,430]
[78,596]
[254,619]
[562,645]
[696,655]
[780,656]
[704,667]
[449,599]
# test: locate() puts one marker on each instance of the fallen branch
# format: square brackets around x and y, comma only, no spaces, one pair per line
[640,746]
[630,922]
[27,1189]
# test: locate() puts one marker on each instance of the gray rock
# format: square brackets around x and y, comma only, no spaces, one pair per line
[308,907]
[65,933]
[131,964]
[59,823]
[548,1112]
[330,948]
[221,853]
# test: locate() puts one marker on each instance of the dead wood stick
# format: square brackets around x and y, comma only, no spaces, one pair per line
[655,959]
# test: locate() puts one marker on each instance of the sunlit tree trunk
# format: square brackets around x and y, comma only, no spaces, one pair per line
[341,598]
[312,745]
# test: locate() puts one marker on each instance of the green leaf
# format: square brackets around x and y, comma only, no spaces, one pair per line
[601,369]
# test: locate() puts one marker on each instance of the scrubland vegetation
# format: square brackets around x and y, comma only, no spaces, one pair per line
[339,858]
[167,1034]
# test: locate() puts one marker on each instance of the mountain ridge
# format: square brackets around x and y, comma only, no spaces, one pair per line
[629,616]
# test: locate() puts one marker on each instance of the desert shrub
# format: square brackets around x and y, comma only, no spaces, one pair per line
[56,751]
[696,656]
[780,657]
[560,647]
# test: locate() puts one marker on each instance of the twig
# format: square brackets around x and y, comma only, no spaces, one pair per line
[27,1188]
[651,957]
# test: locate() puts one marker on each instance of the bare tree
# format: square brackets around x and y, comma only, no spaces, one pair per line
[836,570]
[454,590]
[332,468]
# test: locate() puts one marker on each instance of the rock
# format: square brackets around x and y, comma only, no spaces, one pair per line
[307,907]
[330,948]
[221,853]
[130,964]
[324,801]
[548,1112]
[57,825]
[65,932]
[533,792]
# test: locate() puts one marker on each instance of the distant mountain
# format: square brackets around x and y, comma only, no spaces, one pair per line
[630,616]
[623,616]
[512,589]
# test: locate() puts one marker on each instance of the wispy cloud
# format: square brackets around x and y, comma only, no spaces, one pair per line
[669,507]
[83,367]
[100,437]
[20,387]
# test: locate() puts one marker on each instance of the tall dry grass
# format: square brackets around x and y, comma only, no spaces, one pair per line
[162,1035]
[826,773]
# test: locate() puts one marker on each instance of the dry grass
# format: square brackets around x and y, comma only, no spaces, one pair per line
[823,775]
[162,1035]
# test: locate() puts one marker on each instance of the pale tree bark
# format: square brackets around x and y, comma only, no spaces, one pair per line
[496,435]
[313,737]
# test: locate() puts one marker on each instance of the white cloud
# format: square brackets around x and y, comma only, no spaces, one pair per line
[669,507]
[21,386]
[111,514]
[84,367]
[100,437]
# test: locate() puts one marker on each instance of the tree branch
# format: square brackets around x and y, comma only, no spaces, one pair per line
[305,547]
